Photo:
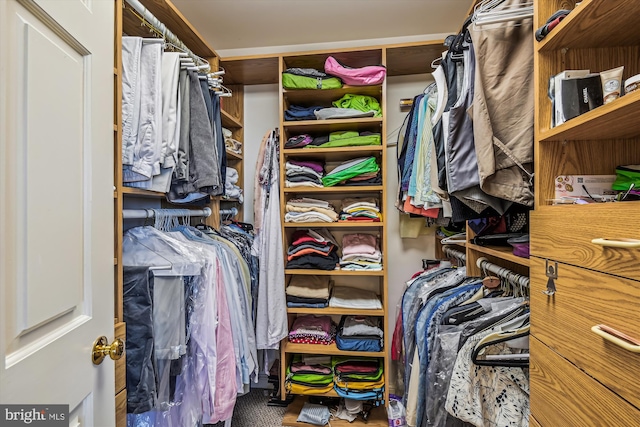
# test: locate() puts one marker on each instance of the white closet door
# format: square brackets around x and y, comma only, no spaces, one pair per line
[56,195]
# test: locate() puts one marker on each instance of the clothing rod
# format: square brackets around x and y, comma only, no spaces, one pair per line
[448,250]
[232,211]
[162,29]
[503,272]
[149,213]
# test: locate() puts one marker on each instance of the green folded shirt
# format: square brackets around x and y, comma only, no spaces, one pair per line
[366,166]
[362,103]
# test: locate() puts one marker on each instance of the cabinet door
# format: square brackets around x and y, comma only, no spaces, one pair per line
[564,233]
[564,396]
[582,300]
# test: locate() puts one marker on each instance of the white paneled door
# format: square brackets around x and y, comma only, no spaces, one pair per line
[56,195]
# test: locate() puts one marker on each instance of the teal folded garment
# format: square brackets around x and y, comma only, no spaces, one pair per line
[363,103]
[367,165]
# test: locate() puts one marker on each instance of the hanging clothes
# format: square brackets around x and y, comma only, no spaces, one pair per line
[188,307]
[271,323]
[440,322]
[503,113]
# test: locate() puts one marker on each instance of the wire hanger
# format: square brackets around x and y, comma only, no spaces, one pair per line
[487,12]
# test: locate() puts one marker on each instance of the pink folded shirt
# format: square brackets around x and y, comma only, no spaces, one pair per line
[359,244]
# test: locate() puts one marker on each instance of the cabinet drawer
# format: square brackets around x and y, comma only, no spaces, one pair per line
[564,396]
[582,300]
[564,233]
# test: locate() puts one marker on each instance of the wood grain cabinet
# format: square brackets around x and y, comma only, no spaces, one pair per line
[578,377]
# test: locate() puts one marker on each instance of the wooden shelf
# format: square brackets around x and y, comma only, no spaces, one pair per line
[308,272]
[413,58]
[327,96]
[402,59]
[330,349]
[595,24]
[233,156]
[230,200]
[337,189]
[333,224]
[174,20]
[327,126]
[618,119]
[335,153]
[377,417]
[251,70]
[330,311]
[142,193]
[501,252]
[230,122]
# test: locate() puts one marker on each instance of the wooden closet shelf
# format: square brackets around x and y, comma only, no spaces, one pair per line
[320,96]
[335,153]
[377,417]
[333,224]
[142,193]
[594,24]
[307,272]
[331,349]
[175,21]
[233,156]
[505,253]
[618,119]
[305,126]
[230,122]
[328,311]
[350,190]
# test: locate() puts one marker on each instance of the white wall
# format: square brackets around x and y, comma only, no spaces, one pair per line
[260,115]
[404,255]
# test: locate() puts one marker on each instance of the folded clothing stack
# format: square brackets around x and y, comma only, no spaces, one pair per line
[309,78]
[360,333]
[298,112]
[347,297]
[303,173]
[350,106]
[360,210]
[230,188]
[309,291]
[358,378]
[361,170]
[231,144]
[345,139]
[360,252]
[313,249]
[334,139]
[309,210]
[306,376]
[312,329]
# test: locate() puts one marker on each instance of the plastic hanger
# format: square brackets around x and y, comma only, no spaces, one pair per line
[511,360]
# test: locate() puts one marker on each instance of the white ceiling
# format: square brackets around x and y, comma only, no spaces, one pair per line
[248,24]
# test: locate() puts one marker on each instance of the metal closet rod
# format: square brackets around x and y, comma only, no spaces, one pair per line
[163,30]
[150,213]
[503,272]
[448,250]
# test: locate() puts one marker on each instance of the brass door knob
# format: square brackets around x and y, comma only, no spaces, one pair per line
[102,349]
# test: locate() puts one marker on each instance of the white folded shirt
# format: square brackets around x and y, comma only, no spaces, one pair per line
[347,297]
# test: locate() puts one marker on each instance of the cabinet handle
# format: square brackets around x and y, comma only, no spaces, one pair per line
[618,338]
[617,243]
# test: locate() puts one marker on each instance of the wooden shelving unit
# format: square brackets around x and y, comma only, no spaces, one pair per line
[597,35]
[377,279]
